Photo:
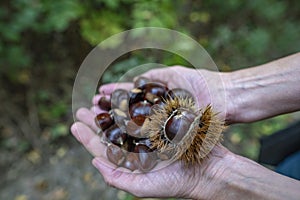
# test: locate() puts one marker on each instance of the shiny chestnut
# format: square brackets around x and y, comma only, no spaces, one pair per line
[120,99]
[156,89]
[104,121]
[120,118]
[104,104]
[139,111]
[147,159]
[115,135]
[133,129]
[178,124]
[131,162]
[136,95]
[115,154]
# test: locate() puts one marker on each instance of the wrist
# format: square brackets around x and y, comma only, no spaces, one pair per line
[243,178]
[263,91]
[246,96]
[231,97]
[211,174]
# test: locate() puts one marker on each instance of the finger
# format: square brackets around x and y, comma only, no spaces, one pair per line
[139,184]
[88,138]
[87,117]
[107,89]
[116,177]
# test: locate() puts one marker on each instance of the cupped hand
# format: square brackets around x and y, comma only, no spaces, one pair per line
[175,179]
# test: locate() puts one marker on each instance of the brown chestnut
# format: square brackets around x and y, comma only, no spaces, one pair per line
[139,111]
[156,89]
[136,95]
[140,81]
[120,118]
[115,135]
[146,142]
[129,143]
[120,99]
[178,125]
[115,154]
[147,159]
[103,121]
[104,104]
[133,129]
[131,162]
[152,98]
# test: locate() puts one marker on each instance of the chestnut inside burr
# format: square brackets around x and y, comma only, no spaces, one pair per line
[178,124]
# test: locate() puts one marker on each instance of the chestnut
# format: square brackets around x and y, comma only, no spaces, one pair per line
[147,159]
[115,154]
[129,143]
[120,118]
[141,148]
[133,129]
[104,104]
[152,98]
[156,89]
[115,135]
[103,121]
[178,124]
[131,162]
[139,111]
[146,142]
[120,99]
[136,95]
[140,81]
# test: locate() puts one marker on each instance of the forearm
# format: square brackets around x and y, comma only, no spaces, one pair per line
[264,91]
[233,177]
[245,179]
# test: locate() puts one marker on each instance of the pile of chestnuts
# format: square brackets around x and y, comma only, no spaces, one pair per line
[151,123]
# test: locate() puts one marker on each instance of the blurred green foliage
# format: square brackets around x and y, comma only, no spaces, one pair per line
[241,32]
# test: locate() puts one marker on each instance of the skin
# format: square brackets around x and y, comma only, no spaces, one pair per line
[224,175]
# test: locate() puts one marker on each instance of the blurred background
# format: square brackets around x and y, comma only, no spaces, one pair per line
[43,43]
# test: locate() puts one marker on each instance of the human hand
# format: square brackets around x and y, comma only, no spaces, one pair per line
[222,175]
[174,180]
